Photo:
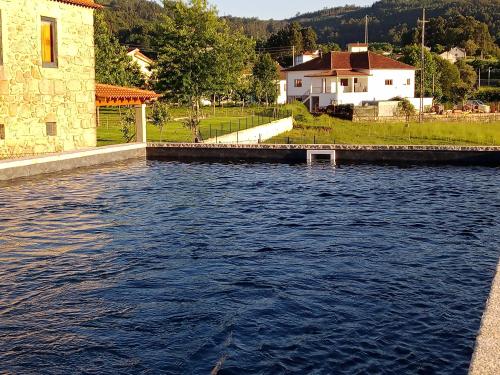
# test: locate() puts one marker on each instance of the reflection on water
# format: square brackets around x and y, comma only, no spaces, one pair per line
[168,268]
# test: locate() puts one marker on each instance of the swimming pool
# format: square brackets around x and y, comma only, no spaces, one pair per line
[157,267]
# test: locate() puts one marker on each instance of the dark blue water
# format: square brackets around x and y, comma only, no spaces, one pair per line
[265,269]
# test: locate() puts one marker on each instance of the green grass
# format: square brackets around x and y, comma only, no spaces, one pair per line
[226,120]
[326,130]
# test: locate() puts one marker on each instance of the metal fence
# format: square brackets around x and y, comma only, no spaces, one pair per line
[260,118]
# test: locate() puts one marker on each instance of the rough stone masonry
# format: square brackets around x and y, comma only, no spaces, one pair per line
[32,95]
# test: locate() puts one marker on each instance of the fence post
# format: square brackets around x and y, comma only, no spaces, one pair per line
[216,136]
[210,129]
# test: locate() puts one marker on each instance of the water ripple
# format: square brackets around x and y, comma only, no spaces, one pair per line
[150,267]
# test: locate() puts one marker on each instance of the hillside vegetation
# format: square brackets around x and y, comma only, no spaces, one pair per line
[133,21]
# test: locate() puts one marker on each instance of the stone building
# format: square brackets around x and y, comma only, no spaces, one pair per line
[47,76]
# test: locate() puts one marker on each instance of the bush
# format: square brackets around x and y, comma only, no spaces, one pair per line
[488,95]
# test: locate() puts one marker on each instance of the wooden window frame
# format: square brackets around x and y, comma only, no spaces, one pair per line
[2,132]
[344,80]
[298,83]
[408,82]
[55,63]
[389,82]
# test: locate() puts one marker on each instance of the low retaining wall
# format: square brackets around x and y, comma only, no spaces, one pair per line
[486,360]
[256,134]
[26,167]
[346,154]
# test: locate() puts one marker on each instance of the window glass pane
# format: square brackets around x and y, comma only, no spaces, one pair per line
[47,42]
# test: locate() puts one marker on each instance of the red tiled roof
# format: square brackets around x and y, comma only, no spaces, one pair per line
[82,3]
[350,61]
[339,73]
[117,92]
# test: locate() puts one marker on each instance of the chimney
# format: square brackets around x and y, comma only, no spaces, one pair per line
[357,47]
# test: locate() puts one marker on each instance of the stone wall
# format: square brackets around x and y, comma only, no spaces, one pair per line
[31,95]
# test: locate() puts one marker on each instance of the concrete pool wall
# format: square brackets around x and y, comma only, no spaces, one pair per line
[50,163]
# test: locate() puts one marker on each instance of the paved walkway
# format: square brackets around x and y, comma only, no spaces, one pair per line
[486,359]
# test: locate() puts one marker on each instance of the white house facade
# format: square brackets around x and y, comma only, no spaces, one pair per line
[454,54]
[282,96]
[350,77]
[142,61]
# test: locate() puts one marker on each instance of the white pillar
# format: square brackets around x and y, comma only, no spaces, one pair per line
[337,90]
[140,123]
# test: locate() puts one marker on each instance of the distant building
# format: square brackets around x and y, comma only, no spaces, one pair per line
[47,76]
[306,56]
[454,54]
[353,77]
[281,86]
[142,61]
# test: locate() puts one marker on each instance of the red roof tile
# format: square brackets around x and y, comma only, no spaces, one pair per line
[117,92]
[339,73]
[82,3]
[350,61]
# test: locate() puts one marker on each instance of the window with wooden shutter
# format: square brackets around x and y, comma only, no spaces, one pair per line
[51,128]
[49,42]
[388,82]
[2,132]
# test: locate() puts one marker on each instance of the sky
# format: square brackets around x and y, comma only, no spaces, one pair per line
[278,9]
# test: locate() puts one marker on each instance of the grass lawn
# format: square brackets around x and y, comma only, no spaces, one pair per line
[327,130]
[226,120]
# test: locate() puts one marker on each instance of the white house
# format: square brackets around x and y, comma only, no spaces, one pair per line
[305,57]
[454,54]
[142,61]
[351,77]
[282,97]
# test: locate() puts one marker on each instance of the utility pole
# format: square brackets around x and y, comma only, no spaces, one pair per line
[479,79]
[422,70]
[293,55]
[489,76]
[366,29]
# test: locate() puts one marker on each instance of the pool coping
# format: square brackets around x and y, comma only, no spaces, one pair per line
[486,358]
[31,166]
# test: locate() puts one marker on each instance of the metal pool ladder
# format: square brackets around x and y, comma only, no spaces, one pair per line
[312,155]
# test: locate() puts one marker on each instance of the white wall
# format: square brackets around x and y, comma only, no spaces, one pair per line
[256,134]
[378,89]
[282,92]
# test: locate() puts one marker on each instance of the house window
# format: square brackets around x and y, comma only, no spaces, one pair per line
[49,42]
[408,82]
[388,82]
[2,132]
[51,128]
[298,83]
[344,82]
[355,80]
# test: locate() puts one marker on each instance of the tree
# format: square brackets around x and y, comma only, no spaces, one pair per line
[448,77]
[265,79]
[127,122]
[160,116]
[112,65]
[407,109]
[467,73]
[461,92]
[412,55]
[309,39]
[200,56]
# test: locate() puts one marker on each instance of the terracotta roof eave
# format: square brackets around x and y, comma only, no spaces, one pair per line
[109,92]
[82,3]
